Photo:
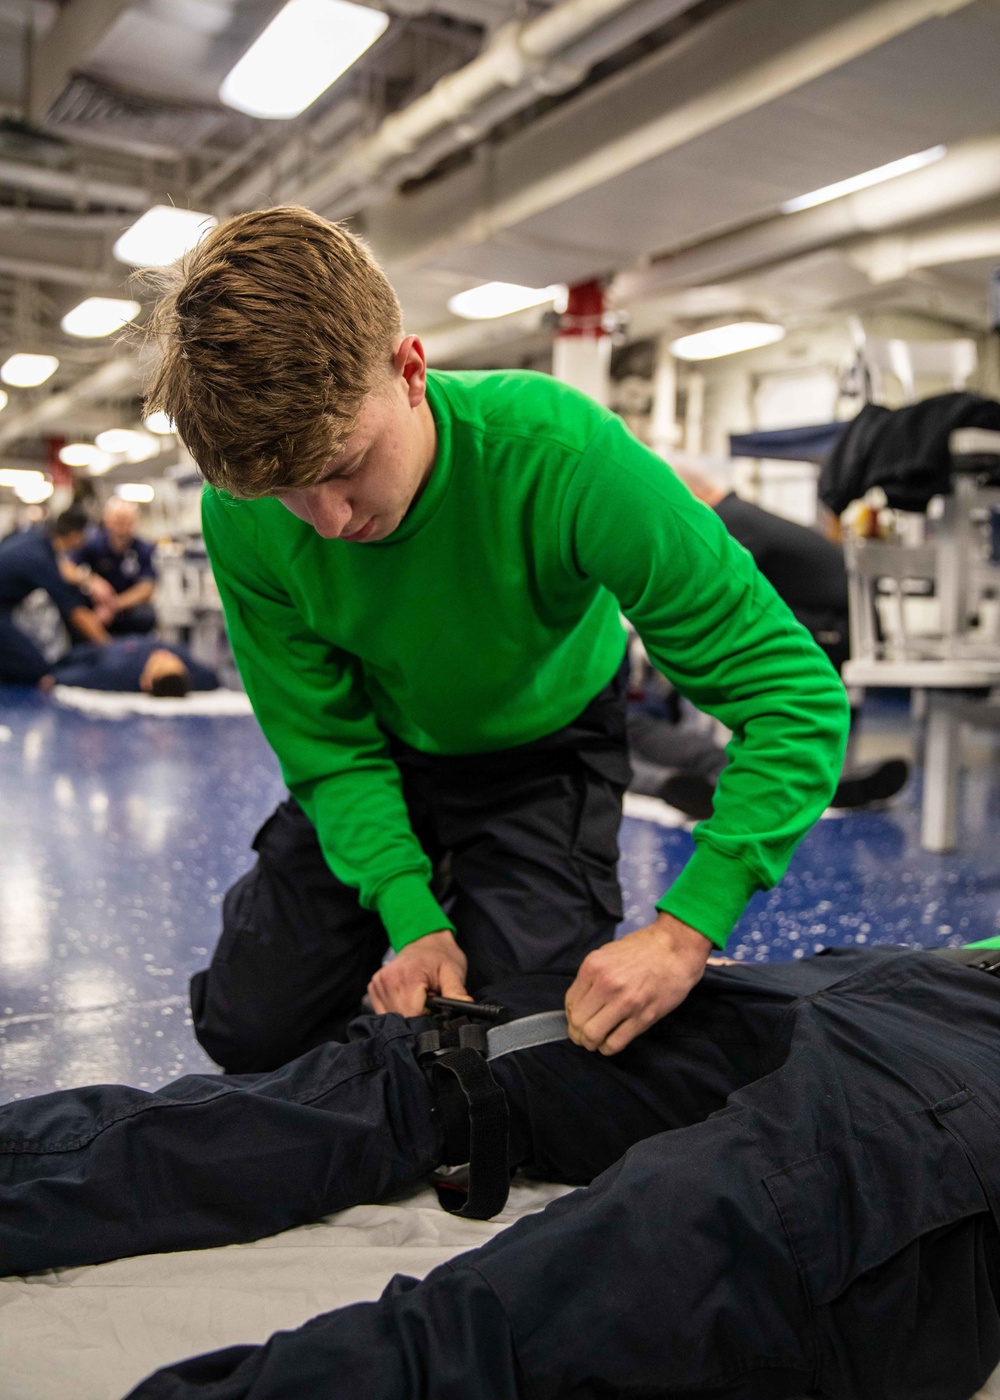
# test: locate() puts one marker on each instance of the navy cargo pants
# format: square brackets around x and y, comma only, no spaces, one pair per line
[795,1189]
[524,844]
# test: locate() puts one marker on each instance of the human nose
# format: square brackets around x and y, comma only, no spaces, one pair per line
[326,511]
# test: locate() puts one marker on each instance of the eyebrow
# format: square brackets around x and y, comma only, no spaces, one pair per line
[344,470]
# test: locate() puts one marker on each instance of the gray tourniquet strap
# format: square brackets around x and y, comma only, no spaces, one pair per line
[542,1029]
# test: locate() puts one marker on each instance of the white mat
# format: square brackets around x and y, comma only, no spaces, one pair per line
[118,704]
[94,1333]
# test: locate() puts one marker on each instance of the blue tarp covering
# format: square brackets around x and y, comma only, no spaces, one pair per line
[812,444]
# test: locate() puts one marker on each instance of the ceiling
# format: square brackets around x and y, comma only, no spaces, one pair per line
[679,125]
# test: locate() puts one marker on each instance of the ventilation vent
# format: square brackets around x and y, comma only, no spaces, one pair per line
[99,114]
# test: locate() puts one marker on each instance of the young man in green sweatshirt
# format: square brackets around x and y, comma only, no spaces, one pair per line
[423,575]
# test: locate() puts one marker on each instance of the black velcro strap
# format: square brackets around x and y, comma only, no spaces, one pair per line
[489,1171]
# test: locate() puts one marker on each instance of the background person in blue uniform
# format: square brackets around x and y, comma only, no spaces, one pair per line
[135,663]
[30,560]
[115,553]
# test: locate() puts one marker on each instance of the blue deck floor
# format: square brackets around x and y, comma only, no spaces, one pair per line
[118,839]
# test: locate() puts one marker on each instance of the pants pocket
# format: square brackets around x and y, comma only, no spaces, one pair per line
[850,1209]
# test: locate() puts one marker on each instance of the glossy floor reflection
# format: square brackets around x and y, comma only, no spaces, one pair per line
[118,840]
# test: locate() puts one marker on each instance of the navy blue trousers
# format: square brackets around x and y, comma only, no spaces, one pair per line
[21,663]
[795,1187]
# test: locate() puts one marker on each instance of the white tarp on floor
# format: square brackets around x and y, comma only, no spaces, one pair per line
[94,1333]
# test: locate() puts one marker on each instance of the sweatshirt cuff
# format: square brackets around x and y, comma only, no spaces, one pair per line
[711,893]
[409,910]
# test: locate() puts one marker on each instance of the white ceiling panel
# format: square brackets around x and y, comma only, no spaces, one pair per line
[937,83]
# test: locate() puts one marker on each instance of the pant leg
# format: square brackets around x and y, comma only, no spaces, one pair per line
[296,954]
[21,663]
[675,746]
[140,619]
[828,1232]
[99,1173]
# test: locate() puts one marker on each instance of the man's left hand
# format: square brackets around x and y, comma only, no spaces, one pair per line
[623,987]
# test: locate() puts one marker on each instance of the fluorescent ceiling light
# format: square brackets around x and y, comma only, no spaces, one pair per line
[4,399]
[302,51]
[499,299]
[99,316]
[27,371]
[726,340]
[15,476]
[32,493]
[160,424]
[135,491]
[162,235]
[29,486]
[128,443]
[861,182]
[85,454]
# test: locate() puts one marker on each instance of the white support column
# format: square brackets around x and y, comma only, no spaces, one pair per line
[694,413]
[664,432]
[581,355]
[939,816]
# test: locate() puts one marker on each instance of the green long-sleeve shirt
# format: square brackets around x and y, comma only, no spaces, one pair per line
[490,617]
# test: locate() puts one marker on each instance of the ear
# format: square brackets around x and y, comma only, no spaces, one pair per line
[410,362]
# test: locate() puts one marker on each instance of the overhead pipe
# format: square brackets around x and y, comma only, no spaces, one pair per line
[114,379]
[969,173]
[48,272]
[804,60]
[523,58]
[79,188]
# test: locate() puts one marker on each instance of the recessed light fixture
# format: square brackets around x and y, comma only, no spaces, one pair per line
[499,299]
[162,235]
[25,371]
[4,399]
[99,316]
[28,486]
[131,444]
[136,491]
[302,51]
[85,454]
[726,340]
[159,423]
[866,178]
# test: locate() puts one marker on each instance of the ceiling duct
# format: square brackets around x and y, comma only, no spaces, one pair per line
[521,61]
[99,114]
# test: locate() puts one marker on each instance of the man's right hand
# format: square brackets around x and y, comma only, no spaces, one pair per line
[430,966]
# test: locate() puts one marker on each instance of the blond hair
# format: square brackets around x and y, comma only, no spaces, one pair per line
[270,334]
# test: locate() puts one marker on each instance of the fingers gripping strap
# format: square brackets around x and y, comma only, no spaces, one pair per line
[489,1172]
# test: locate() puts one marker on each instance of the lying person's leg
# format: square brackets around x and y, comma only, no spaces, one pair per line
[97,1173]
[831,1231]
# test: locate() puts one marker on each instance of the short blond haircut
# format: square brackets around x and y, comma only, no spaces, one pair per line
[270,334]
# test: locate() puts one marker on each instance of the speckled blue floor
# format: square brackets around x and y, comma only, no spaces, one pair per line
[118,839]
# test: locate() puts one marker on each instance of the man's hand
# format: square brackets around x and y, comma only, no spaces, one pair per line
[623,987]
[430,966]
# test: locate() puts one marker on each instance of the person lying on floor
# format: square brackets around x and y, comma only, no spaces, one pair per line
[135,663]
[794,1189]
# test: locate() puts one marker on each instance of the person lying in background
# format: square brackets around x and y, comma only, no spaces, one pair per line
[135,663]
[29,560]
[794,1190]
